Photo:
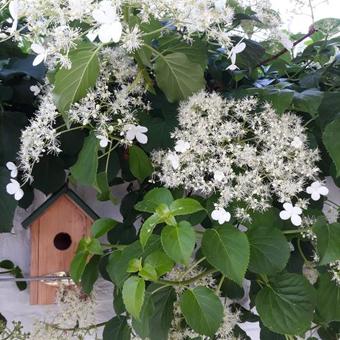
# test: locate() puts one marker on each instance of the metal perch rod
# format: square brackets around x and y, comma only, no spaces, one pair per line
[35,278]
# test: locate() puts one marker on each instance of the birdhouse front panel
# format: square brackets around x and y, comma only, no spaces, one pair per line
[55,235]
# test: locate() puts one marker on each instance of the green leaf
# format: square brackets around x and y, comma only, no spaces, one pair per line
[102,226]
[73,84]
[94,247]
[78,265]
[148,272]
[328,299]
[90,274]
[85,170]
[287,305]
[332,142]
[202,310]
[139,163]
[308,101]
[160,261]
[269,250]
[178,77]
[133,295]
[227,249]
[135,265]
[178,241]
[117,329]
[185,206]
[147,228]
[328,242]
[153,199]
[328,26]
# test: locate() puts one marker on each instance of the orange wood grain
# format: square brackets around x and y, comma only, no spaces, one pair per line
[63,216]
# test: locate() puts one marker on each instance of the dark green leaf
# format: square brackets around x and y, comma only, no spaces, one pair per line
[139,163]
[117,329]
[78,265]
[308,101]
[332,142]
[160,261]
[90,274]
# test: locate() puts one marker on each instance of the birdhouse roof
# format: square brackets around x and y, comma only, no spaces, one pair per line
[49,202]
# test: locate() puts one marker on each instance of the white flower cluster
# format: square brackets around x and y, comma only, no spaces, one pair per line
[243,151]
[335,271]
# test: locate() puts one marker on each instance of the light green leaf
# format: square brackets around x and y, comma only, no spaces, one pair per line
[147,228]
[153,199]
[135,265]
[202,310]
[160,261]
[117,329]
[178,77]
[328,26]
[85,170]
[269,250]
[185,206]
[102,226]
[133,295]
[148,272]
[73,84]
[328,242]
[78,265]
[139,163]
[94,247]
[286,306]
[178,241]
[227,249]
[331,140]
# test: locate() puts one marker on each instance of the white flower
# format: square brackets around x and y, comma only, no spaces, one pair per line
[297,143]
[13,8]
[35,89]
[103,141]
[316,189]
[13,168]
[110,28]
[136,132]
[41,54]
[233,54]
[221,215]
[182,146]
[174,160]
[292,213]
[220,4]
[14,188]
[218,176]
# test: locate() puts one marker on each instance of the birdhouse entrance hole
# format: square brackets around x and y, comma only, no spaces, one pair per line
[62,241]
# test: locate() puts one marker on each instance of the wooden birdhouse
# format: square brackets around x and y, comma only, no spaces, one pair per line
[56,229]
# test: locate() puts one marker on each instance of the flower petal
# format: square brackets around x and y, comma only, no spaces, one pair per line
[288,206]
[105,34]
[285,215]
[296,220]
[38,59]
[19,195]
[37,48]
[239,48]
[116,31]
[324,191]
[143,139]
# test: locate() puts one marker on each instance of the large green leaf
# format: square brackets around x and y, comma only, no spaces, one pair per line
[328,242]
[85,170]
[202,310]
[139,163]
[287,304]
[90,274]
[269,250]
[160,261]
[178,241]
[178,77]
[332,142]
[227,249]
[73,84]
[185,206]
[153,199]
[117,329]
[328,26]
[147,228]
[102,226]
[308,101]
[133,295]
[328,299]
[78,265]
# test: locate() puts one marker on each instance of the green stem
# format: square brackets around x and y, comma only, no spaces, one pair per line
[69,130]
[188,281]
[54,326]
[295,231]
[301,252]
[193,266]
[218,288]
[155,31]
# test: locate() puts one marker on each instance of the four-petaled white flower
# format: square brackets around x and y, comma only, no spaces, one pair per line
[41,54]
[220,215]
[291,212]
[103,141]
[174,160]
[220,4]
[13,8]
[110,29]
[136,132]
[218,175]
[182,146]
[35,89]
[12,168]
[316,189]
[233,54]
[14,188]
[297,143]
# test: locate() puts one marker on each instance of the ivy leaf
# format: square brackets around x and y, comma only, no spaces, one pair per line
[133,295]
[328,299]
[117,329]
[102,226]
[73,84]
[202,310]
[185,206]
[332,142]
[227,249]
[85,170]
[269,250]
[147,228]
[328,241]
[139,163]
[153,199]
[287,305]
[178,77]
[178,241]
